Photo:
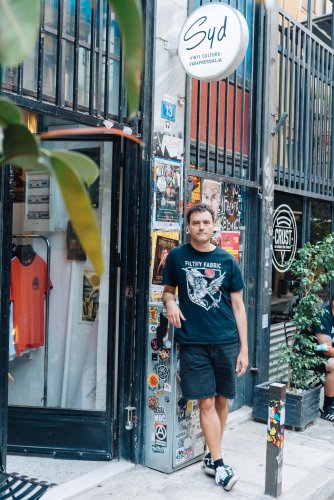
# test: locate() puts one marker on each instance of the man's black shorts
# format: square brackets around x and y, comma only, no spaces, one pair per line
[208,370]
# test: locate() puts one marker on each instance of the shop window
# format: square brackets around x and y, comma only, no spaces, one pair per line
[71,355]
[287,238]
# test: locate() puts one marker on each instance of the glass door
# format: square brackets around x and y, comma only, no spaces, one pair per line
[62,328]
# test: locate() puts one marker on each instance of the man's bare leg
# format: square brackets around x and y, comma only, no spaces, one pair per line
[211,426]
[222,411]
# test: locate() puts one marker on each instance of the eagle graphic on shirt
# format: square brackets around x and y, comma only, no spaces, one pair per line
[203,287]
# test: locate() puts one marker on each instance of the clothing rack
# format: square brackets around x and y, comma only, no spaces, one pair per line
[47,308]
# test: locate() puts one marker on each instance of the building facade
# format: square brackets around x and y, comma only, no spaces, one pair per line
[256,146]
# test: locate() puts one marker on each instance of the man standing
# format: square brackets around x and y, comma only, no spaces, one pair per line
[211,328]
[325,336]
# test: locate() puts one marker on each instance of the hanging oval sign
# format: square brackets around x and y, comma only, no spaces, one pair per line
[284,238]
[213,42]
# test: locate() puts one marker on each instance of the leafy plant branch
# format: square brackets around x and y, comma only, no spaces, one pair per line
[72,171]
[313,269]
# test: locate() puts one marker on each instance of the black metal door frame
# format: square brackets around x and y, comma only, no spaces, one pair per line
[81,434]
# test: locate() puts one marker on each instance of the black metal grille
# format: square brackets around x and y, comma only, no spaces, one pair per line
[221,113]
[304,143]
[77,63]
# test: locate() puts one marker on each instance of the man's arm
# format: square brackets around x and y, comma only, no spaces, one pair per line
[324,338]
[239,312]
[174,314]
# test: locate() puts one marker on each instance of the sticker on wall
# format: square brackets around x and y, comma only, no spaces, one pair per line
[179,455]
[164,354]
[162,371]
[190,406]
[159,417]
[284,238]
[152,402]
[154,316]
[153,380]
[161,434]
[152,328]
[154,356]
[157,449]
[154,345]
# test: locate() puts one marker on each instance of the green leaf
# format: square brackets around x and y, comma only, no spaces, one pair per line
[86,168]
[80,211]
[9,112]
[20,147]
[19,22]
[130,19]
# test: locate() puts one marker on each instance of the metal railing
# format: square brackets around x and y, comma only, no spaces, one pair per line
[221,135]
[304,159]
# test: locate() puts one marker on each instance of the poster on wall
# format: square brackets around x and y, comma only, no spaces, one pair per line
[90,295]
[211,195]
[167,180]
[194,190]
[231,207]
[162,248]
[167,146]
[229,241]
[162,244]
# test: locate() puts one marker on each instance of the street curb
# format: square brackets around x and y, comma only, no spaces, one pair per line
[322,476]
[81,484]
[75,487]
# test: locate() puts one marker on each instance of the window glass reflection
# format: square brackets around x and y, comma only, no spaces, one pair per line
[30,69]
[69,69]
[83,77]
[85,21]
[114,69]
[49,66]
[51,13]
[69,17]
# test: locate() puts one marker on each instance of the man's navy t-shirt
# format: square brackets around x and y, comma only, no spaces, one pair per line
[205,281]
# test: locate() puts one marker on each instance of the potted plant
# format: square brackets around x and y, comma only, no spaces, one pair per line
[313,270]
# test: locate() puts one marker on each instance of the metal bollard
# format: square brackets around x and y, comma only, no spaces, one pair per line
[275,439]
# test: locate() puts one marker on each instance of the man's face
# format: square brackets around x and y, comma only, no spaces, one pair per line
[200,227]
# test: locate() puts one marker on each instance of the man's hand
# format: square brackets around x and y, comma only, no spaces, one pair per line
[174,314]
[242,363]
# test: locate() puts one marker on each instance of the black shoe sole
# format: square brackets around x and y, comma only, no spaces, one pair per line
[209,471]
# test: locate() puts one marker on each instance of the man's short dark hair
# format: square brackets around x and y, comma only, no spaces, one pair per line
[200,207]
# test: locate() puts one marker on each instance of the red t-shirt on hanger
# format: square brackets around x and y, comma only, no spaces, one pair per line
[27,291]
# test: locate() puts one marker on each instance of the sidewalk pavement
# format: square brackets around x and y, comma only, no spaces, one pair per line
[308,470]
